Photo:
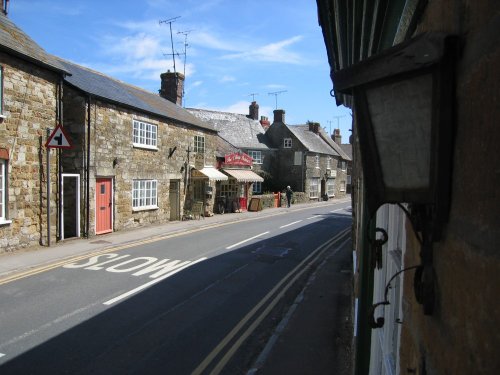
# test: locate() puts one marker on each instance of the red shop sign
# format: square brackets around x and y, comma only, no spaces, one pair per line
[238,159]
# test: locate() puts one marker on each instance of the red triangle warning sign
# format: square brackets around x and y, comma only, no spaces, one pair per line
[58,139]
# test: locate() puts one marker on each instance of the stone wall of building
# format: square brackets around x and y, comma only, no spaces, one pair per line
[113,155]
[461,336]
[29,107]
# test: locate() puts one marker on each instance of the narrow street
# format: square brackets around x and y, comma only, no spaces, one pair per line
[206,301]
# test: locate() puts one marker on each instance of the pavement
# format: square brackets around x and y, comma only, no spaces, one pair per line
[315,335]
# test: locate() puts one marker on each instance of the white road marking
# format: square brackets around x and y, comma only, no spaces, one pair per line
[337,210]
[313,217]
[152,282]
[248,239]
[2,355]
[287,225]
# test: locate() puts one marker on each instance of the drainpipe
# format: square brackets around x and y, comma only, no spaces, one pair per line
[59,164]
[87,177]
[48,190]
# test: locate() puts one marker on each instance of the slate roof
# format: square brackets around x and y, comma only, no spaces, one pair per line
[235,128]
[334,145]
[347,148]
[113,90]
[14,41]
[312,141]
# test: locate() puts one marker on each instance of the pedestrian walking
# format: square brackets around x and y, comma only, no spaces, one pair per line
[289,194]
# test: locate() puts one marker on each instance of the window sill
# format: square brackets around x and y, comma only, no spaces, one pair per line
[147,208]
[5,222]
[145,147]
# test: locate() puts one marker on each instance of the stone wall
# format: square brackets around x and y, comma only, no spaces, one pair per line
[461,337]
[113,155]
[29,99]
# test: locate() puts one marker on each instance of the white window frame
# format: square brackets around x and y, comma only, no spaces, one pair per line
[297,158]
[314,187]
[343,165]
[330,187]
[257,187]
[316,162]
[342,185]
[287,143]
[256,155]
[328,162]
[3,192]
[144,195]
[144,135]
[199,144]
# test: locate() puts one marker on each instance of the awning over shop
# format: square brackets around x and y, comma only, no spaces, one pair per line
[244,175]
[210,172]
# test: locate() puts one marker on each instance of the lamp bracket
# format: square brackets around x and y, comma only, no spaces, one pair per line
[376,245]
[379,322]
[423,218]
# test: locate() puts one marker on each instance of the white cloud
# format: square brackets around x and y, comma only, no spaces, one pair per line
[227,79]
[274,86]
[272,52]
[196,84]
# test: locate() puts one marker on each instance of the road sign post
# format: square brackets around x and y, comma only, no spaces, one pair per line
[56,138]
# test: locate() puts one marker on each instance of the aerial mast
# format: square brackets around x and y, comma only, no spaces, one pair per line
[170,21]
[276,93]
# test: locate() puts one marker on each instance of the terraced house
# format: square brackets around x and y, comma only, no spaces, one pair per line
[140,157]
[30,105]
[307,159]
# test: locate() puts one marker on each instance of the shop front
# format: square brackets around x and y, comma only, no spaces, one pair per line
[202,187]
[236,190]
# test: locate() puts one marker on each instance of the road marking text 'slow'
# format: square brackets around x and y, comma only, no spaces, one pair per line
[142,265]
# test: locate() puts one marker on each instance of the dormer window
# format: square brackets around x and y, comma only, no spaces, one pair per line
[287,143]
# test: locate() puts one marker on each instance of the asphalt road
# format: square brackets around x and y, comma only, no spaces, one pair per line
[174,306]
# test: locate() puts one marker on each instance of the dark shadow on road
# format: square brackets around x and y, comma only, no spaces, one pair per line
[170,327]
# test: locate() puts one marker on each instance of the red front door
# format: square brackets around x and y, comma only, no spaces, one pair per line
[104,206]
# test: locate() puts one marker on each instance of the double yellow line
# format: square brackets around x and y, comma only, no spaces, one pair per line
[275,294]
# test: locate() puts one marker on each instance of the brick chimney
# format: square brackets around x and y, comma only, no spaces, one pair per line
[279,115]
[253,110]
[172,87]
[313,127]
[336,137]
[264,121]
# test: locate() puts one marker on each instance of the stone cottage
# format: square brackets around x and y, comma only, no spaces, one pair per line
[305,160]
[138,158]
[344,160]
[30,106]
[247,136]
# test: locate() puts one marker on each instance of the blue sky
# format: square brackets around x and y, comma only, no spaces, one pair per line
[235,48]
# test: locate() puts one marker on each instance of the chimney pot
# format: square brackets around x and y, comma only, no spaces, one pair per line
[264,121]
[336,137]
[279,115]
[314,127]
[172,87]
[254,111]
